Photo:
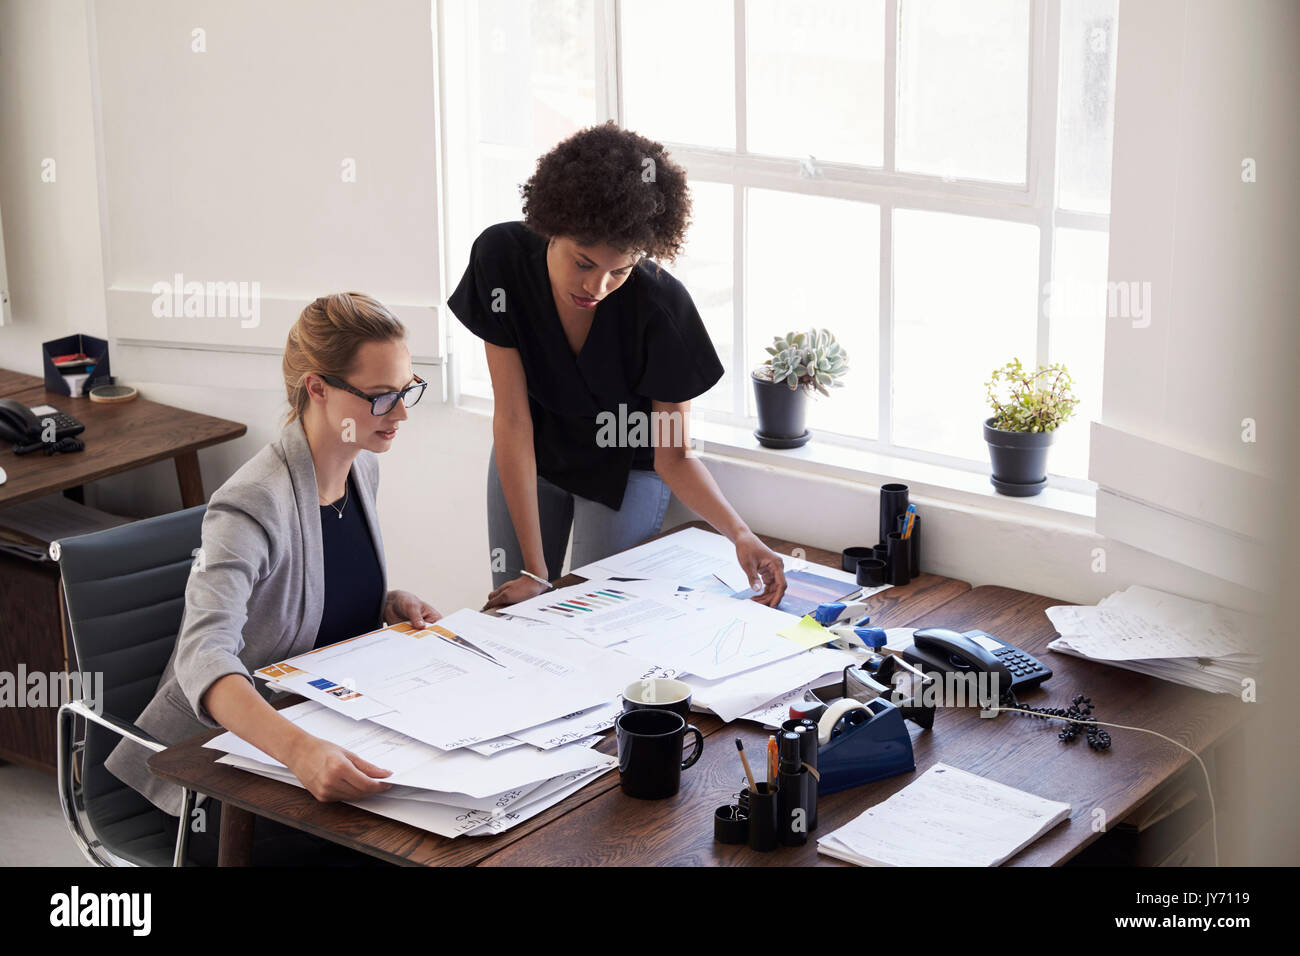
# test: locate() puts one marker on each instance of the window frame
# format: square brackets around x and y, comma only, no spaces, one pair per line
[1034,202]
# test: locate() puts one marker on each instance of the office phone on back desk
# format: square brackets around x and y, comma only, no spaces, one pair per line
[30,428]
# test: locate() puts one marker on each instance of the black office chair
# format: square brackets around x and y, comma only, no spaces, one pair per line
[125,592]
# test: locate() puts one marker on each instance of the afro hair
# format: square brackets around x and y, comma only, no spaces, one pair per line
[605,184]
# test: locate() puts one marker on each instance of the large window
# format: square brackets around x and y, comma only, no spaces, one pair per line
[929,179]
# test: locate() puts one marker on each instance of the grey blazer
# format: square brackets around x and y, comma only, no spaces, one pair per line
[254,599]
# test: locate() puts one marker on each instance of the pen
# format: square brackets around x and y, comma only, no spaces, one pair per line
[745,760]
[911,516]
[539,580]
[771,762]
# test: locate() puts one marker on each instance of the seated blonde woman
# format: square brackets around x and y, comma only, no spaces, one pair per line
[292,557]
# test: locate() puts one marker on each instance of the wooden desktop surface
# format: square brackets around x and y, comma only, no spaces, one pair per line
[601,826]
[118,437]
[193,766]
[1022,752]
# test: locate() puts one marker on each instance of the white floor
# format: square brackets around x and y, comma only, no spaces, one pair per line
[32,831]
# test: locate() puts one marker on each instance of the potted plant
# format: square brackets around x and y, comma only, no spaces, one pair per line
[797,364]
[1027,410]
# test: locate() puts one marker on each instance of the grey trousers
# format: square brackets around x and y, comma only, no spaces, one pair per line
[598,530]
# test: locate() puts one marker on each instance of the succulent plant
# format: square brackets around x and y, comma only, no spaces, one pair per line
[1040,401]
[808,360]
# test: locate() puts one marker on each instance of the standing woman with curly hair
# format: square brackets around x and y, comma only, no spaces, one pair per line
[582,332]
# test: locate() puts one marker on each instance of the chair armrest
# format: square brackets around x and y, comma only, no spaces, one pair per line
[123,728]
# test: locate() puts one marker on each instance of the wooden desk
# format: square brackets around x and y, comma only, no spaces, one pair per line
[193,766]
[117,438]
[1019,751]
[11,382]
[600,826]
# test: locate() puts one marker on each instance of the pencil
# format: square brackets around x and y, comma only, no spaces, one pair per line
[745,760]
[771,763]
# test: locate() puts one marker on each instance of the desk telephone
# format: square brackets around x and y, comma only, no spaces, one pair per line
[24,426]
[943,650]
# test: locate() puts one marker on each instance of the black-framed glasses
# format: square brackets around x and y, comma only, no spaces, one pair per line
[382,404]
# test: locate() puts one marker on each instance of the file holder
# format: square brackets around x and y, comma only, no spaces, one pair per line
[96,352]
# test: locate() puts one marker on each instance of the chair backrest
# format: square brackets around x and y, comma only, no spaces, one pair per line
[125,593]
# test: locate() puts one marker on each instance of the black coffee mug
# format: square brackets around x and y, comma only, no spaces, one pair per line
[650,760]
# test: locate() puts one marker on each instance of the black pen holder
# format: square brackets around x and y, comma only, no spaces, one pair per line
[808,756]
[914,547]
[729,825]
[850,557]
[871,573]
[893,502]
[761,808]
[794,795]
[898,566]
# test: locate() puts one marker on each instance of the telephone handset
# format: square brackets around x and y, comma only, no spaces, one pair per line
[944,650]
[20,424]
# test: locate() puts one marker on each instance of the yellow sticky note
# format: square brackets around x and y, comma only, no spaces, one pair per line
[807,633]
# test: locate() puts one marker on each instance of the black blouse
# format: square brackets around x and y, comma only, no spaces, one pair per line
[354,583]
[647,342]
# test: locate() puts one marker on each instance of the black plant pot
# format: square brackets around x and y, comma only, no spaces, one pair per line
[1019,460]
[781,412]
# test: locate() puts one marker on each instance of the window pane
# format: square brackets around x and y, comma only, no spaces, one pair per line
[706,269]
[1076,306]
[520,77]
[814,262]
[1087,103]
[816,79]
[536,70]
[963,88]
[965,303]
[678,67]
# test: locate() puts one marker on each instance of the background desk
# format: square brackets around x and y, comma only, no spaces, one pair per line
[599,825]
[118,438]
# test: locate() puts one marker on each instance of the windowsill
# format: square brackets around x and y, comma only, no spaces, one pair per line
[1060,506]
[940,482]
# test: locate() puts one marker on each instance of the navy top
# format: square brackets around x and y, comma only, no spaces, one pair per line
[354,583]
[647,341]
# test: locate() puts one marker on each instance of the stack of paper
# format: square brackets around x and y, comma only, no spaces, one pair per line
[447,792]
[1164,635]
[946,817]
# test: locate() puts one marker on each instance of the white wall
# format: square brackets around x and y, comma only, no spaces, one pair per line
[292,144]
[1201,87]
[1205,90]
[52,247]
[227,168]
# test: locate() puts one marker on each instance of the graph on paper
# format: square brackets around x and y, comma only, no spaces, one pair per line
[722,638]
[587,602]
[606,612]
[727,643]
